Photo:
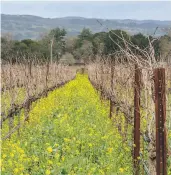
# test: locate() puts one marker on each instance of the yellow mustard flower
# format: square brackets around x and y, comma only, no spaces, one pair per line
[4,156]
[63,158]
[121,170]
[49,149]
[12,155]
[48,172]
[90,145]
[50,162]
[109,150]
[16,170]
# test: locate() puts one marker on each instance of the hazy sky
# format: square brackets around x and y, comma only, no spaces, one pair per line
[107,10]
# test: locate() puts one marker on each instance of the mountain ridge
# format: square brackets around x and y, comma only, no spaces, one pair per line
[29,26]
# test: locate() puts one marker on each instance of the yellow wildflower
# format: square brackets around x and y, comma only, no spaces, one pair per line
[50,162]
[12,155]
[4,156]
[36,159]
[121,170]
[63,158]
[138,158]
[16,170]
[109,150]
[3,169]
[90,145]
[66,140]
[49,149]
[47,172]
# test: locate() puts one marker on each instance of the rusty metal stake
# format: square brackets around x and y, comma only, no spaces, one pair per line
[137,119]
[160,113]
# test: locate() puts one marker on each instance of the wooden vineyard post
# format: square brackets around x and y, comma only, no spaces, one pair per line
[160,114]
[111,82]
[101,81]
[11,117]
[137,119]
[111,108]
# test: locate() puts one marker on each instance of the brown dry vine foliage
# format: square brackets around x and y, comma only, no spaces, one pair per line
[114,78]
[25,82]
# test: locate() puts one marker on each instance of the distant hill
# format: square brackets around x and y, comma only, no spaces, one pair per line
[28,26]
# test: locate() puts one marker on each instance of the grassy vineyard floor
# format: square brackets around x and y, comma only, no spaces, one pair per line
[68,133]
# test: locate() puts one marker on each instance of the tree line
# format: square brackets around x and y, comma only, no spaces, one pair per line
[56,45]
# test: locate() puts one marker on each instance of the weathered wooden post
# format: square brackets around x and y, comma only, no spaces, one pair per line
[111,83]
[101,80]
[137,119]
[160,114]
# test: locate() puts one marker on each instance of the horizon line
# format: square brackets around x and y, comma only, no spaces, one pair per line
[85,17]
